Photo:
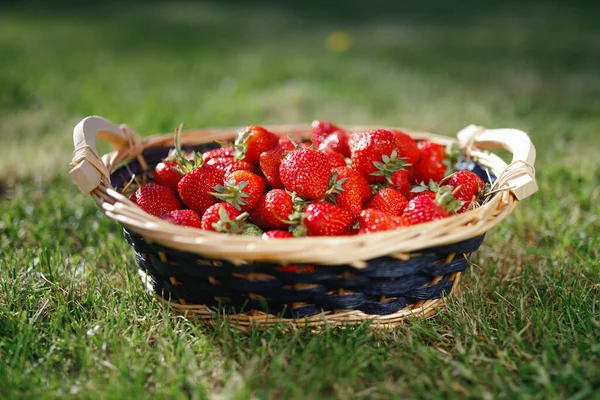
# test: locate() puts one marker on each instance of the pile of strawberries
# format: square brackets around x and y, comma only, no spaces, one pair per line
[339,183]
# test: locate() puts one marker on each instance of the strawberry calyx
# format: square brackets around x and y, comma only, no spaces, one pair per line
[251,230]
[453,153]
[376,187]
[336,186]
[232,192]
[227,225]
[444,195]
[296,218]
[445,198]
[432,186]
[184,163]
[188,163]
[388,165]
[241,143]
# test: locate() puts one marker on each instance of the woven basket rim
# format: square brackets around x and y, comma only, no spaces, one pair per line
[352,250]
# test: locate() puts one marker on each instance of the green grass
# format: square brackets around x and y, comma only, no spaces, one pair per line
[74,320]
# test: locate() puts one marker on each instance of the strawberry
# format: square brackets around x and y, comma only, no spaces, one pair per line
[277,234]
[156,199]
[336,141]
[132,198]
[306,172]
[351,232]
[388,200]
[320,131]
[230,164]
[431,162]
[286,143]
[375,155]
[428,206]
[296,269]
[273,210]
[253,140]
[242,189]
[354,191]
[407,147]
[429,169]
[371,220]
[269,165]
[428,149]
[166,174]
[401,181]
[353,139]
[324,219]
[466,186]
[223,217]
[195,187]
[183,217]
[218,153]
[336,159]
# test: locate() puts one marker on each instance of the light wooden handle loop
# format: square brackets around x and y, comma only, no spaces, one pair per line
[87,168]
[519,175]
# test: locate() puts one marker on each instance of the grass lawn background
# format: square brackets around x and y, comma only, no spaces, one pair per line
[74,320]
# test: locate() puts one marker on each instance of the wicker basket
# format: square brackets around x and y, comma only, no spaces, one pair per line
[383,277]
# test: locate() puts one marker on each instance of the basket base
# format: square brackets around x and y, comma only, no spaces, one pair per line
[336,318]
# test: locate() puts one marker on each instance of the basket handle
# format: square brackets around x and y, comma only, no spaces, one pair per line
[87,168]
[520,173]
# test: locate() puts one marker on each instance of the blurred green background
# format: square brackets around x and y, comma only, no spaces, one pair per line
[526,323]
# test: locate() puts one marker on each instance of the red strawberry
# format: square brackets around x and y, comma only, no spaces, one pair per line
[165,174]
[252,141]
[371,220]
[195,187]
[223,217]
[325,219]
[296,269]
[355,190]
[183,217]
[336,141]
[407,147]
[351,232]
[428,149]
[336,159]
[272,210]
[466,187]
[418,191]
[306,172]
[156,199]
[230,164]
[428,207]
[388,200]
[320,131]
[353,139]
[132,197]
[401,181]
[277,234]
[429,169]
[431,163]
[242,189]
[218,153]
[375,155]
[286,143]
[269,164]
